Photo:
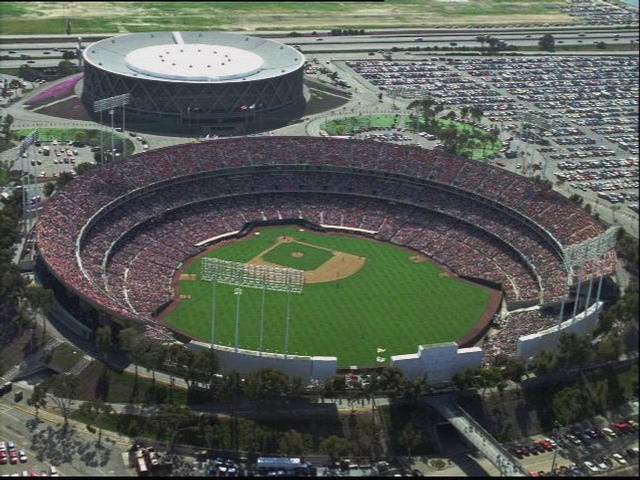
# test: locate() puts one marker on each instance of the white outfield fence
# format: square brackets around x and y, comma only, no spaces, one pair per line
[279,279]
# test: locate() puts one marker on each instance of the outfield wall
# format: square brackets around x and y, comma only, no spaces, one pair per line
[582,324]
[440,362]
[247,361]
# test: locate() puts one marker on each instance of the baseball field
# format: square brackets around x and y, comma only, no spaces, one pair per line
[359,295]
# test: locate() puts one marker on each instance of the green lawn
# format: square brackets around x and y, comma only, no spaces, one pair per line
[391,302]
[22,18]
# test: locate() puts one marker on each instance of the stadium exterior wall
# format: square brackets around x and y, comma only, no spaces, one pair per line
[247,361]
[439,362]
[582,324]
[186,103]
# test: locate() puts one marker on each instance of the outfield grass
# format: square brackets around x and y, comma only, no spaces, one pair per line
[391,302]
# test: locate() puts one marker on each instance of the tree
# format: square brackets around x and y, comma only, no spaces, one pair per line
[390,380]
[292,443]
[547,42]
[65,67]
[134,345]
[103,339]
[6,128]
[41,300]
[170,420]
[28,73]
[481,39]
[48,189]
[265,386]
[335,447]
[38,398]
[84,167]
[94,410]
[61,389]
[573,350]
[570,405]
[410,437]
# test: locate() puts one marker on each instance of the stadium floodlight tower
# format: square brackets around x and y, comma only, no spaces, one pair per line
[588,252]
[24,151]
[248,275]
[110,104]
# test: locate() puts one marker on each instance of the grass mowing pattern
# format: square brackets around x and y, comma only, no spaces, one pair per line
[283,255]
[391,302]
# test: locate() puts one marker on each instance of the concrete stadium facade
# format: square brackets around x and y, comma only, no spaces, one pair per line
[194,78]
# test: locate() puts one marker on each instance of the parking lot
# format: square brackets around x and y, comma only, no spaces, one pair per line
[588,107]
[589,448]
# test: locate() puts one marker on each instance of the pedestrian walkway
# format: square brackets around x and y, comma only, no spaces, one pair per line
[484,442]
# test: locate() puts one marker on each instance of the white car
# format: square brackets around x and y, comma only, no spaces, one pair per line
[590,466]
[619,458]
[53,471]
[22,456]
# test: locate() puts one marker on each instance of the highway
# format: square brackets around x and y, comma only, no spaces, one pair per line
[48,53]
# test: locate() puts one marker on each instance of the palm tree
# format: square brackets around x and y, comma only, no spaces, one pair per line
[38,398]
[481,39]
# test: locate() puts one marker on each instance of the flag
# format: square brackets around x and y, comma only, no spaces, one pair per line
[380,359]
[380,350]
[243,107]
[252,106]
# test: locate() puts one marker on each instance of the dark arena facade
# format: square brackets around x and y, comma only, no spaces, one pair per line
[194,78]
[111,242]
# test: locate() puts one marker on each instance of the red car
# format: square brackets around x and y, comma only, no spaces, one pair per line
[13,456]
[622,426]
[3,457]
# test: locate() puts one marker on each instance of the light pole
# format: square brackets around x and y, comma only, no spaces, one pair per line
[238,293]
[262,318]
[111,114]
[286,332]
[213,313]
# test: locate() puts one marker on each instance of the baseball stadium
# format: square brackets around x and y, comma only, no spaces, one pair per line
[194,78]
[322,247]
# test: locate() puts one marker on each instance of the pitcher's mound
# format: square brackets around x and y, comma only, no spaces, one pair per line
[297,254]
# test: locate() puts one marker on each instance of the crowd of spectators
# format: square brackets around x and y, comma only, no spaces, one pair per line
[503,340]
[118,235]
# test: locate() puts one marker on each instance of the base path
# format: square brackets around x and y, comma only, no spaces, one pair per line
[340,265]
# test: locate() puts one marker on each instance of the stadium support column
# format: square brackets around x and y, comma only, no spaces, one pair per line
[577,295]
[101,140]
[602,265]
[238,293]
[124,139]
[593,273]
[112,130]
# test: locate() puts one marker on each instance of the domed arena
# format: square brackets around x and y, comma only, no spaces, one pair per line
[115,238]
[193,78]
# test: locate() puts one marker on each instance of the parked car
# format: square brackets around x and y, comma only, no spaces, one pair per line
[619,458]
[591,467]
